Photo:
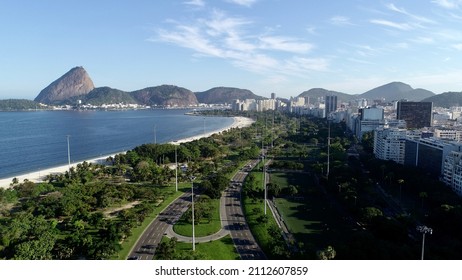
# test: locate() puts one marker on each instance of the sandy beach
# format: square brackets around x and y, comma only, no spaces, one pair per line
[38,176]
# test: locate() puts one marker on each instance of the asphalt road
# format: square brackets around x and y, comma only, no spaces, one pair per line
[235,221]
[232,218]
[145,247]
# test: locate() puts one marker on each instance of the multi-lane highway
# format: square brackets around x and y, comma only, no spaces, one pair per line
[232,220]
[235,221]
[146,245]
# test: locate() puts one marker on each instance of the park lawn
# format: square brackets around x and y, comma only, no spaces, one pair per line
[292,211]
[259,230]
[310,216]
[284,179]
[222,249]
[203,228]
[169,196]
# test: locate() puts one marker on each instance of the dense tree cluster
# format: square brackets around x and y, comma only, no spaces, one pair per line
[88,211]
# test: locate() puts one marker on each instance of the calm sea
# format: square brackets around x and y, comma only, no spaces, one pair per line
[31,141]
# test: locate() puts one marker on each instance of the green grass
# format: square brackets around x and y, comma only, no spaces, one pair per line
[291,212]
[310,216]
[284,179]
[204,228]
[169,196]
[222,249]
[259,230]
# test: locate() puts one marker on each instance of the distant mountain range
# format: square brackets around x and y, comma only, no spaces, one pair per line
[388,92]
[446,99]
[397,91]
[220,95]
[316,93]
[76,84]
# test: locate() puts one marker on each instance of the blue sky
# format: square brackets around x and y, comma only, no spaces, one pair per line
[281,46]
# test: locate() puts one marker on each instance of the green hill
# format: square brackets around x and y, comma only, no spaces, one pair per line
[19,104]
[107,95]
[221,95]
[316,93]
[446,100]
[165,95]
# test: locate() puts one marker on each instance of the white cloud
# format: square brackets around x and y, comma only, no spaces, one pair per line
[246,3]
[404,12]
[448,4]
[311,30]
[402,46]
[285,44]
[387,23]
[198,3]
[232,39]
[310,64]
[423,40]
[340,21]
[457,47]
[190,37]
[220,23]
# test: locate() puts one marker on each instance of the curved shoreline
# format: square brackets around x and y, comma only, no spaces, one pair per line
[37,176]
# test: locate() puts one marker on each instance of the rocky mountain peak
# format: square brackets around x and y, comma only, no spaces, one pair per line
[74,83]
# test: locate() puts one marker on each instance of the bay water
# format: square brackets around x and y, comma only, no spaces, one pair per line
[36,140]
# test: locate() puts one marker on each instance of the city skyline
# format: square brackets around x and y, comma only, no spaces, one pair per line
[262,45]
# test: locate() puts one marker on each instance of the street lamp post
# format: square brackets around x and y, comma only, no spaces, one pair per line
[328,148]
[192,210]
[176,170]
[424,230]
[264,171]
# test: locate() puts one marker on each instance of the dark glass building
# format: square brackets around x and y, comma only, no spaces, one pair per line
[416,114]
[331,104]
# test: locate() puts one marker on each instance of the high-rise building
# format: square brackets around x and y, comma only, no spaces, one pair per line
[416,114]
[368,119]
[389,144]
[273,95]
[331,104]
[452,172]
[429,153]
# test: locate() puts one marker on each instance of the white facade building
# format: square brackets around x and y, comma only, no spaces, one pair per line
[449,134]
[452,172]
[389,144]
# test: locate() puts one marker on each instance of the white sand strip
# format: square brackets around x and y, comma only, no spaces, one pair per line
[237,123]
[38,176]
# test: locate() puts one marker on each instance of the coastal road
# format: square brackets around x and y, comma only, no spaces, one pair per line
[146,245]
[235,221]
[231,215]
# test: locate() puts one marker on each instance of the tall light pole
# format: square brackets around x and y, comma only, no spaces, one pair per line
[176,170]
[192,210]
[424,230]
[328,148]
[68,155]
[264,171]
